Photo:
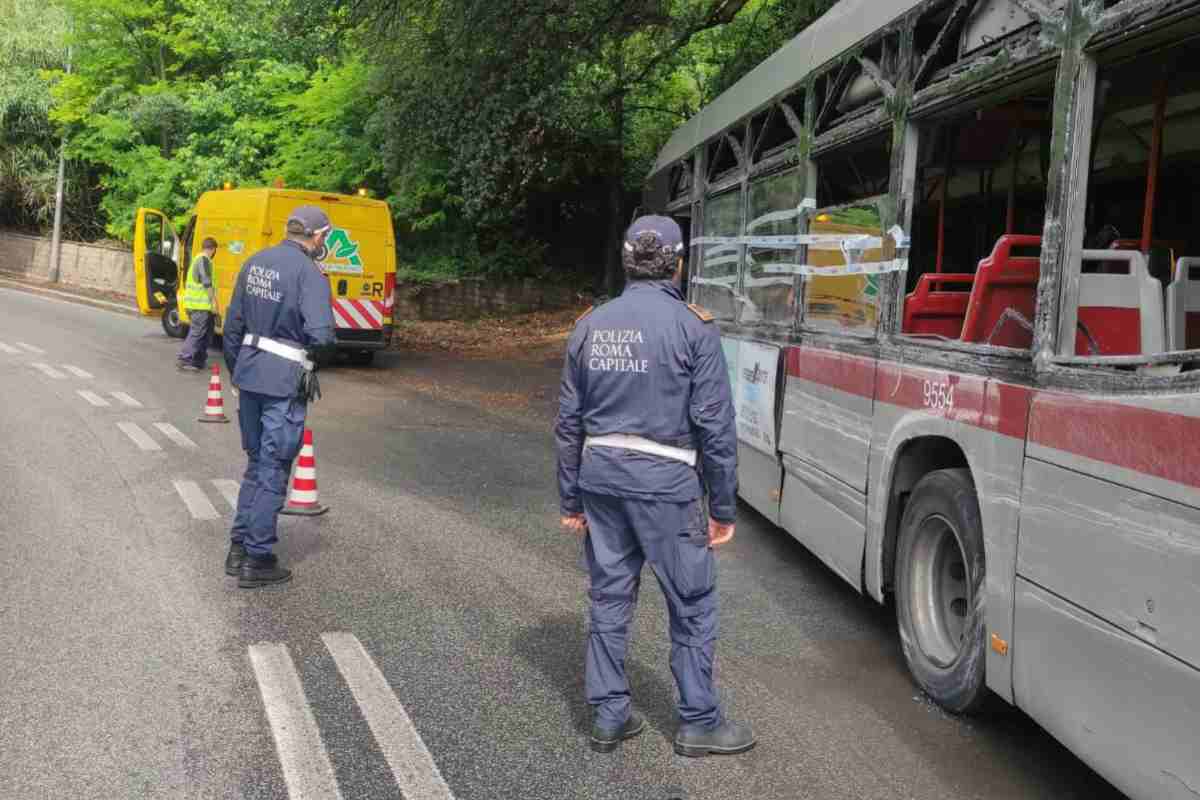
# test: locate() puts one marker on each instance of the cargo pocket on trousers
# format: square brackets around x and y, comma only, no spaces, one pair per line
[695,568]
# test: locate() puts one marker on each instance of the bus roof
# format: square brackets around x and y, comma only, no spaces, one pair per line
[839,29]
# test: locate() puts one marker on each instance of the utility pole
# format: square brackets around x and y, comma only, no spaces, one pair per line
[56,240]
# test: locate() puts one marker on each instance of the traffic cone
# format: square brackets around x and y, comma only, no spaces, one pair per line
[214,407]
[302,499]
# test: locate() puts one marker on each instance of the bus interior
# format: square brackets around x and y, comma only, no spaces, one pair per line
[980,207]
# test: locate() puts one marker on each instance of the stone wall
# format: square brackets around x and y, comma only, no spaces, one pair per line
[90,266]
[475,297]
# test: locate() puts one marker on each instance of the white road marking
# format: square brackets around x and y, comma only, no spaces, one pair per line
[126,399]
[174,434]
[8,348]
[77,372]
[93,398]
[229,490]
[306,767]
[48,371]
[30,348]
[412,764]
[196,501]
[139,436]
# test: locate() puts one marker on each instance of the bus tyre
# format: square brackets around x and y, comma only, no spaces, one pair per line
[171,323]
[939,590]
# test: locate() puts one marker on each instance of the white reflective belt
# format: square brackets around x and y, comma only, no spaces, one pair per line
[278,348]
[628,441]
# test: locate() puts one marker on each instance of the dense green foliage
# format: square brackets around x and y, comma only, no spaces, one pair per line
[507,137]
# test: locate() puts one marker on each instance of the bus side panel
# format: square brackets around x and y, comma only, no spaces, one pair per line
[825,514]
[759,481]
[987,420]
[825,438]
[827,408]
[1127,709]
[1128,556]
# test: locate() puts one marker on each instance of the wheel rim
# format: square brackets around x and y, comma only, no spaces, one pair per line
[939,593]
[172,318]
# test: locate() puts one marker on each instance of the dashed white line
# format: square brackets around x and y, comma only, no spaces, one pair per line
[412,764]
[8,348]
[93,398]
[126,399]
[138,436]
[77,372]
[197,502]
[30,348]
[306,767]
[175,435]
[48,371]
[229,490]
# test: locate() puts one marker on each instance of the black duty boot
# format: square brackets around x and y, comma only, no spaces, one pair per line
[262,571]
[605,740]
[725,739]
[233,561]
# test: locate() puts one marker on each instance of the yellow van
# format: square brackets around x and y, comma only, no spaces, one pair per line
[360,265]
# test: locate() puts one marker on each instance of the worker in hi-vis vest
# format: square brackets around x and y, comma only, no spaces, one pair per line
[200,302]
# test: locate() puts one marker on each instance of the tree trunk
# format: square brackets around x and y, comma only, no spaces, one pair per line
[614,272]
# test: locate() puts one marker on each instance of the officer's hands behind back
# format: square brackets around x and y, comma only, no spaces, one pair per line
[720,533]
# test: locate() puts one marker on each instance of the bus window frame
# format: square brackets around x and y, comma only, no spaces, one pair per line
[1061,367]
[711,193]
[777,168]
[877,333]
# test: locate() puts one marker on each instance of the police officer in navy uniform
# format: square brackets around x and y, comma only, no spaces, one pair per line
[279,320]
[645,428]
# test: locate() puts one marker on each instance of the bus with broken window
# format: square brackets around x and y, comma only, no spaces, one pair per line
[954,250]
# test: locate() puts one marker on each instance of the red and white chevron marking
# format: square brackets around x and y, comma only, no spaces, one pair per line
[358,314]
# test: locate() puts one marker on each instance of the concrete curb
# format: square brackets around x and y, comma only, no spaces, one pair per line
[33,288]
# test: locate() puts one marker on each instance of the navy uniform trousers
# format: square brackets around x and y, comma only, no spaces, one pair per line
[623,534]
[272,433]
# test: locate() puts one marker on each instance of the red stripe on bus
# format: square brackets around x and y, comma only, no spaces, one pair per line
[1143,440]
[849,373]
[1139,439]
[970,399]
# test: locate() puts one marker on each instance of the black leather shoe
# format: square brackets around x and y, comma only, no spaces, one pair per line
[233,561]
[726,739]
[262,571]
[605,740]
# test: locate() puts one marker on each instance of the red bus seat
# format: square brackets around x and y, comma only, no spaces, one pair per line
[1183,306]
[1119,315]
[931,309]
[1003,282]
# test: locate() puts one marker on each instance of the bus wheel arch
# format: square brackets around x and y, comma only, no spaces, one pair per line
[915,459]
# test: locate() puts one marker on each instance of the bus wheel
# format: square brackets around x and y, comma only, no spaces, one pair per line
[939,590]
[171,323]
[362,358]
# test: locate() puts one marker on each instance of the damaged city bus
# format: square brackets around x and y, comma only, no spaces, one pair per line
[360,261]
[954,250]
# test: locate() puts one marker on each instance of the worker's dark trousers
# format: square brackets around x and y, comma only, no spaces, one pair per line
[622,535]
[199,336]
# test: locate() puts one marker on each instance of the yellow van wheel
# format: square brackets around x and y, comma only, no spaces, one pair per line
[172,325]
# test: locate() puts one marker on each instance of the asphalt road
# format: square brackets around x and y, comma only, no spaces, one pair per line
[432,638]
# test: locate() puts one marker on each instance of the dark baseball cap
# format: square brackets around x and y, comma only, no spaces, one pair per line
[670,237]
[308,220]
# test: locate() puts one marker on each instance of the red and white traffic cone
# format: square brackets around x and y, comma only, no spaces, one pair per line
[302,499]
[214,407]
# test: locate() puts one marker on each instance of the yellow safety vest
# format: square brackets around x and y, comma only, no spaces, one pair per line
[195,296]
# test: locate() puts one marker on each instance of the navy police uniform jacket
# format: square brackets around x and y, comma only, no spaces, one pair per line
[279,294]
[646,364]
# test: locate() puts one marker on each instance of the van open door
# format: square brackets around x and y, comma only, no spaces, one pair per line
[155,261]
